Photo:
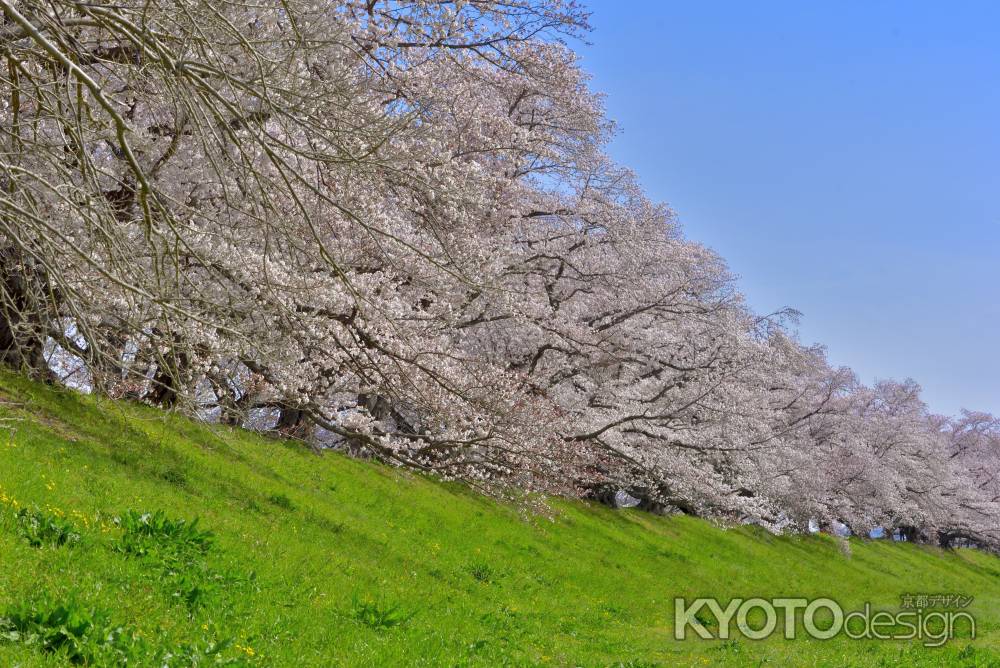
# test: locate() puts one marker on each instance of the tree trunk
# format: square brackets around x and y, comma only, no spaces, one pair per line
[910,534]
[168,384]
[293,423]
[24,297]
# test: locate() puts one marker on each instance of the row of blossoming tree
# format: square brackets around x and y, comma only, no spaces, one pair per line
[391,227]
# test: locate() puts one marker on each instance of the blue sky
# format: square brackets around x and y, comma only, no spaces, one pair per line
[843,157]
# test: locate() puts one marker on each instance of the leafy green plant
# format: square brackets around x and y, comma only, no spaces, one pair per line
[732,646]
[282,501]
[175,550]
[504,622]
[706,620]
[80,634]
[175,477]
[207,652]
[40,528]
[192,589]
[86,636]
[378,614]
[483,572]
[143,533]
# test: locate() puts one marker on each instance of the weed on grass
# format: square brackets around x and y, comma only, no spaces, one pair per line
[282,501]
[483,572]
[66,627]
[42,529]
[378,614]
[145,533]
[83,635]
[176,551]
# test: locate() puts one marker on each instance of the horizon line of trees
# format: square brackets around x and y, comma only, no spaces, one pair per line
[392,228]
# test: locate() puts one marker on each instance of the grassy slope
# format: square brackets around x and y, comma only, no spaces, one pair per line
[478,583]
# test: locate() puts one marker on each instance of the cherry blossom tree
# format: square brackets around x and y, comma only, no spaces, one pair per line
[392,228]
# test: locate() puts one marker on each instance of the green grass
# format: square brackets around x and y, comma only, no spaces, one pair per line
[305,560]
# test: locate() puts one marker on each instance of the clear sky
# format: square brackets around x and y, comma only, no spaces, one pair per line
[843,157]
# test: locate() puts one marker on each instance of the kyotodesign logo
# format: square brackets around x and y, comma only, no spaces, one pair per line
[932,619]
